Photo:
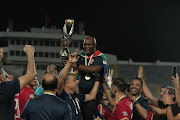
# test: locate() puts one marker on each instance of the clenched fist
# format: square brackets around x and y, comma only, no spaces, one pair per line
[28,49]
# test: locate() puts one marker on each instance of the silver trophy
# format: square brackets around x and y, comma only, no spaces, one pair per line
[66,39]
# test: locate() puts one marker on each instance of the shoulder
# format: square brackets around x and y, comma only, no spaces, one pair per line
[125,102]
[142,98]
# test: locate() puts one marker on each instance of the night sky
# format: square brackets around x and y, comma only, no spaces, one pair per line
[140,30]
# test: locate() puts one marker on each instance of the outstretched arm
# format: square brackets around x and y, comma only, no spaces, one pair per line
[93,93]
[62,75]
[157,110]
[146,90]
[31,72]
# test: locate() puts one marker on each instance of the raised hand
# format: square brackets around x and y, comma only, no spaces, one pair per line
[28,49]
[73,57]
[140,72]
[175,80]
[97,76]
[111,72]
[51,68]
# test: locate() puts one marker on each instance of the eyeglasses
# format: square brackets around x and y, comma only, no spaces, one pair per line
[164,92]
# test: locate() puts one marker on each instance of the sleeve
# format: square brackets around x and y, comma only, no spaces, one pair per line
[68,113]
[81,97]
[24,114]
[145,104]
[99,61]
[10,88]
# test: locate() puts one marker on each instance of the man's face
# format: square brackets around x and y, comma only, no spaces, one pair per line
[89,46]
[33,82]
[135,87]
[163,91]
[73,83]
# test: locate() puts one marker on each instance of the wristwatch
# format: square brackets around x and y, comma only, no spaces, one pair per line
[167,105]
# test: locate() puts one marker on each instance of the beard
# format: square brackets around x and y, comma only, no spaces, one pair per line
[113,95]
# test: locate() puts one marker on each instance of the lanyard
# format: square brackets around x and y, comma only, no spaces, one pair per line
[121,98]
[138,97]
[75,104]
[89,60]
[49,93]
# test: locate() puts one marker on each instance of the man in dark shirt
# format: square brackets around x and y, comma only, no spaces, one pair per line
[87,62]
[8,89]
[69,87]
[47,106]
[140,104]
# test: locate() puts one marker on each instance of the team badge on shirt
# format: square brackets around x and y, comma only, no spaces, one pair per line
[31,96]
[92,61]
[124,113]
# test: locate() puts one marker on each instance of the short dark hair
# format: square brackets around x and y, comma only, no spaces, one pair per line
[137,78]
[50,85]
[120,83]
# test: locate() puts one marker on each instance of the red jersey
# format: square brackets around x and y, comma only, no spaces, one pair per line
[104,112]
[123,109]
[150,116]
[21,99]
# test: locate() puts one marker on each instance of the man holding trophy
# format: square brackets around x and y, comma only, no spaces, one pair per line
[89,60]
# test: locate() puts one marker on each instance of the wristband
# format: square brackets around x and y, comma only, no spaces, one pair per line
[167,105]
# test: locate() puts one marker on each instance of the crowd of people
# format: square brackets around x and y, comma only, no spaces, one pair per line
[89,92]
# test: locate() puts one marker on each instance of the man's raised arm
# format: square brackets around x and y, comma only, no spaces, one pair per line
[177,88]
[62,75]
[31,71]
[146,90]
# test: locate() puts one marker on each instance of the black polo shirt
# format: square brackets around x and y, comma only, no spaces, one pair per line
[46,107]
[145,104]
[7,103]
[175,109]
[85,86]
[74,101]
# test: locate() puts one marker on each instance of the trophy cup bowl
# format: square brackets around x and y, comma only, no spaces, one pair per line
[69,22]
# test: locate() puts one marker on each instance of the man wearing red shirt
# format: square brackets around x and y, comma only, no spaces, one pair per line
[21,98]
[123,108]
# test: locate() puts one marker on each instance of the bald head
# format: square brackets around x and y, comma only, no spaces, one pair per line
[49,82]
[90,38]
[89,45]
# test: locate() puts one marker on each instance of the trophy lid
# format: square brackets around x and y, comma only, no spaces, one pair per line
[69,22]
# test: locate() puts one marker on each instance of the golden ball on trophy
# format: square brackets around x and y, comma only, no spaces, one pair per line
[69,22]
